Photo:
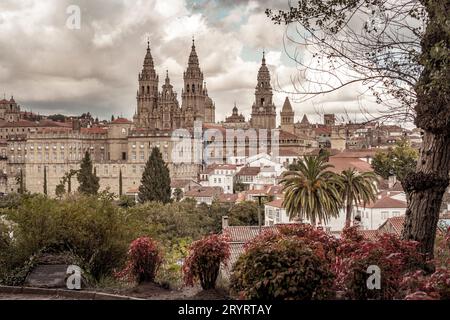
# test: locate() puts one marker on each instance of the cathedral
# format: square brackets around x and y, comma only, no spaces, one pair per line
[160,110]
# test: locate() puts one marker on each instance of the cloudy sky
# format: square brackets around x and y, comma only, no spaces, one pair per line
[50,68]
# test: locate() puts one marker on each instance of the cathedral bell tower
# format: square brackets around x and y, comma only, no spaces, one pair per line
[147,94]
[263,109]
[196,105]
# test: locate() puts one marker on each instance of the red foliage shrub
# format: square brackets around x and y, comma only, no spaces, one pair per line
[282,266]
[418,286]
[144,259]
[204,259]
[393,256]
[324,244]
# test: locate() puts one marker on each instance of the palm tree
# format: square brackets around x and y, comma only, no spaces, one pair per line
[312,191]
[357,189]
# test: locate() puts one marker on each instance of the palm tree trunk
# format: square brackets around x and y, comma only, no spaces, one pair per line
[348,214]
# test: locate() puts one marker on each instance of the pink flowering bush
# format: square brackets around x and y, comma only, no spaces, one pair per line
[143,262]
[204,259]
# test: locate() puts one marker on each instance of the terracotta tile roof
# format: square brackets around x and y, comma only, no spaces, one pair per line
[315,152]
[356,153]
[94,130]
[284,135]
[179,183]
[18,124]
[322,130]
[227,198]
[249,171]
[222,166]
[387,202]
[288,153]
[369,234]
[203,192]
[275,190]
[341,164]
[243,234]
[396,224]
[278,203]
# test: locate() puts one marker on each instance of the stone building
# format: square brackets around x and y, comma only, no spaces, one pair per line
[236,120]
[263,110]
[160,110]
[9,110]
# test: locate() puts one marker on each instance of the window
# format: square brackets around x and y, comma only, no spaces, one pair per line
[124,156]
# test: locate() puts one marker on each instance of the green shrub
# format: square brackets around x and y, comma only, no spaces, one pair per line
[95,230]
[280,267]
[170,273]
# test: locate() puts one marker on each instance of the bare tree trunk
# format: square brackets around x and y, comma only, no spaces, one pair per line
[425,188]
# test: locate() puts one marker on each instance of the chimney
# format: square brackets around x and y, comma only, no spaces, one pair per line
[225,222]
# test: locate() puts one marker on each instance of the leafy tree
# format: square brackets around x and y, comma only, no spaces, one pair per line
[401,51]
[120,183]
[88,181]
[155,182]
[178,194]
[45,180]
[312,192]
[21,182]
[399,161]
[357,189]
[244,214]
[60,190]
[57,117]
[238,186]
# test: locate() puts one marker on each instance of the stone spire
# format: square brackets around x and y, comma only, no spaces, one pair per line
[148,70]
[193,58]
[305,120]
[287,106]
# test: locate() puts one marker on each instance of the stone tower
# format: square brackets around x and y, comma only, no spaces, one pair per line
[263,110]
[287,116]
[147,95]
[168,109]
[196,105]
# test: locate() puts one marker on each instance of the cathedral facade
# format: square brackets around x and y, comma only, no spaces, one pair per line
[160,110]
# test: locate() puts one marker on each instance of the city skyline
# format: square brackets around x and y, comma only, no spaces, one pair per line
[94,68]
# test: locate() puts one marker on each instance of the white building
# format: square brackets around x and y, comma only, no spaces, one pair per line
[388,205]
[219,175]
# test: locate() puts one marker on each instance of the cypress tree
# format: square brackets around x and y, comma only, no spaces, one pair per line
[45,180]
[87,179]
[120,183]
[155,182]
